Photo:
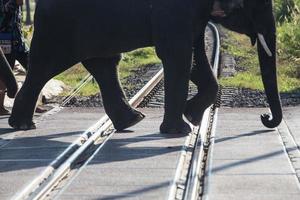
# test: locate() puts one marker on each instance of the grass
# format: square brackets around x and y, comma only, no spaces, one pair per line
[73,76]
[131,61]
[246,57]
[135,59]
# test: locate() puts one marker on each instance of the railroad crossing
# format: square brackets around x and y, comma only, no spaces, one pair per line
[76,154]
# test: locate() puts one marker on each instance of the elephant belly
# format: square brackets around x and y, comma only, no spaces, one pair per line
[96,27]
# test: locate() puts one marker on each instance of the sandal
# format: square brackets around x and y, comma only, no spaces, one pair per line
[40,109]
[4,111]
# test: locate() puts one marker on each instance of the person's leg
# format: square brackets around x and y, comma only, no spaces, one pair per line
[3,110]
[23,59]
[11,59]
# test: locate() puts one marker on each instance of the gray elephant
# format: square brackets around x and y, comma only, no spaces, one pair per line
[255,19]
[97,35]
[7,77]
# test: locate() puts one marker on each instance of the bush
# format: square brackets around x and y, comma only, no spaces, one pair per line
[289,38]
[287,13]
[285,9]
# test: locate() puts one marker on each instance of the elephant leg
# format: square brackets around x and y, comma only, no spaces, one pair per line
[25,102]
[202,76]
[44,64]
[176,58]
[116,106]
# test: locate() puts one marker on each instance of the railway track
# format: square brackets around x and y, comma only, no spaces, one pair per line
[188,181]
[52,111]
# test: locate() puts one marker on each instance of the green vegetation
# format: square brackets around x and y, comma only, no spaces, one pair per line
[131,61]
[73,76]
[288,32]
[287,13]
[136,59]
[246,57]
[289,40]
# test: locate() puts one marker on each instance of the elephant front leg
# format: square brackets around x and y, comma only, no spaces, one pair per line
[25,103]
[202,76]
[176,59]
[41,70]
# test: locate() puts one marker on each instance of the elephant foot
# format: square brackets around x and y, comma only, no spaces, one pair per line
[128,120]
[21,124]
[175,128]
[195,109]
[194,117]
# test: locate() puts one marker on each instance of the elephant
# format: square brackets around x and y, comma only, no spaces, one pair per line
[96,37]
[255,19]
[7,76]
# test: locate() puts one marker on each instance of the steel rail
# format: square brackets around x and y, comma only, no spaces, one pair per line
[40,179]
[176,181]
[56,109]
[51,167]
[195,170]
[43,184]
[191,191]
[135,102]
[68,98]
[208,168]
[217,48]
[207,130]
[77,88]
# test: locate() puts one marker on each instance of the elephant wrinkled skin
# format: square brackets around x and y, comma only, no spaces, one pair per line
[255,19]
[100,31]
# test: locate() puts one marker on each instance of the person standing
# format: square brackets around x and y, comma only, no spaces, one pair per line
[12,41]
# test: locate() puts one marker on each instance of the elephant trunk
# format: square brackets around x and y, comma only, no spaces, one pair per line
[7,76]
[266,46]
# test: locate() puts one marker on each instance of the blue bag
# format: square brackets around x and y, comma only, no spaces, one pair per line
[6,42]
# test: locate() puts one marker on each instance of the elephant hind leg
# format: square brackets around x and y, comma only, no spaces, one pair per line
[116,106]
[176,59]
[203,77]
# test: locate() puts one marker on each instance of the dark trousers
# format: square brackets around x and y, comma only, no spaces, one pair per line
[21,57]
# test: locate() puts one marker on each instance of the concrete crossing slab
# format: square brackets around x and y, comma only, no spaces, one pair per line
[249,161]
[25,154]
[292,119]
[132,165]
